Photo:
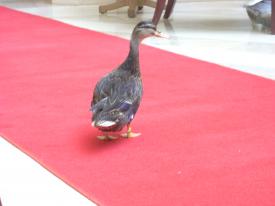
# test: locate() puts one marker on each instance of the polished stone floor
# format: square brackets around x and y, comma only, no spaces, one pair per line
[214,31]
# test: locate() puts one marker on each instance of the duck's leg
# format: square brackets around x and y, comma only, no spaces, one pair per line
[129,133]
[106,136]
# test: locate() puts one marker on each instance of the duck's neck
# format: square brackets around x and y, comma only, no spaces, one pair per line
[132,61]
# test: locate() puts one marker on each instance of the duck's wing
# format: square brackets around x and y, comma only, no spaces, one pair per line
[117,93]
[99,91]
[102,91]
[125,97]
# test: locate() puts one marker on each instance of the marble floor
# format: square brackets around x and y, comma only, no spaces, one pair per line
[214,31]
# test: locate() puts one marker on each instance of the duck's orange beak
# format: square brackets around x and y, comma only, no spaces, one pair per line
[159,34]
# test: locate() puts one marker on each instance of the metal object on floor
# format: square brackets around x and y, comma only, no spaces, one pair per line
[171,3]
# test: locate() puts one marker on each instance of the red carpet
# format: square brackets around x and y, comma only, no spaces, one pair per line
[208,132]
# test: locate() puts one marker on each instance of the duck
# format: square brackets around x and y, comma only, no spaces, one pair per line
[117,95]
[259,12]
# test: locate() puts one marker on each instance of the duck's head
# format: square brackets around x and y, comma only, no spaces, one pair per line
[146,29]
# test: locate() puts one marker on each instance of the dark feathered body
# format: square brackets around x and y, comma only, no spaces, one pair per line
[117,96]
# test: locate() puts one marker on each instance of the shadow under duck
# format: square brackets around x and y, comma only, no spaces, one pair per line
[117,96]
